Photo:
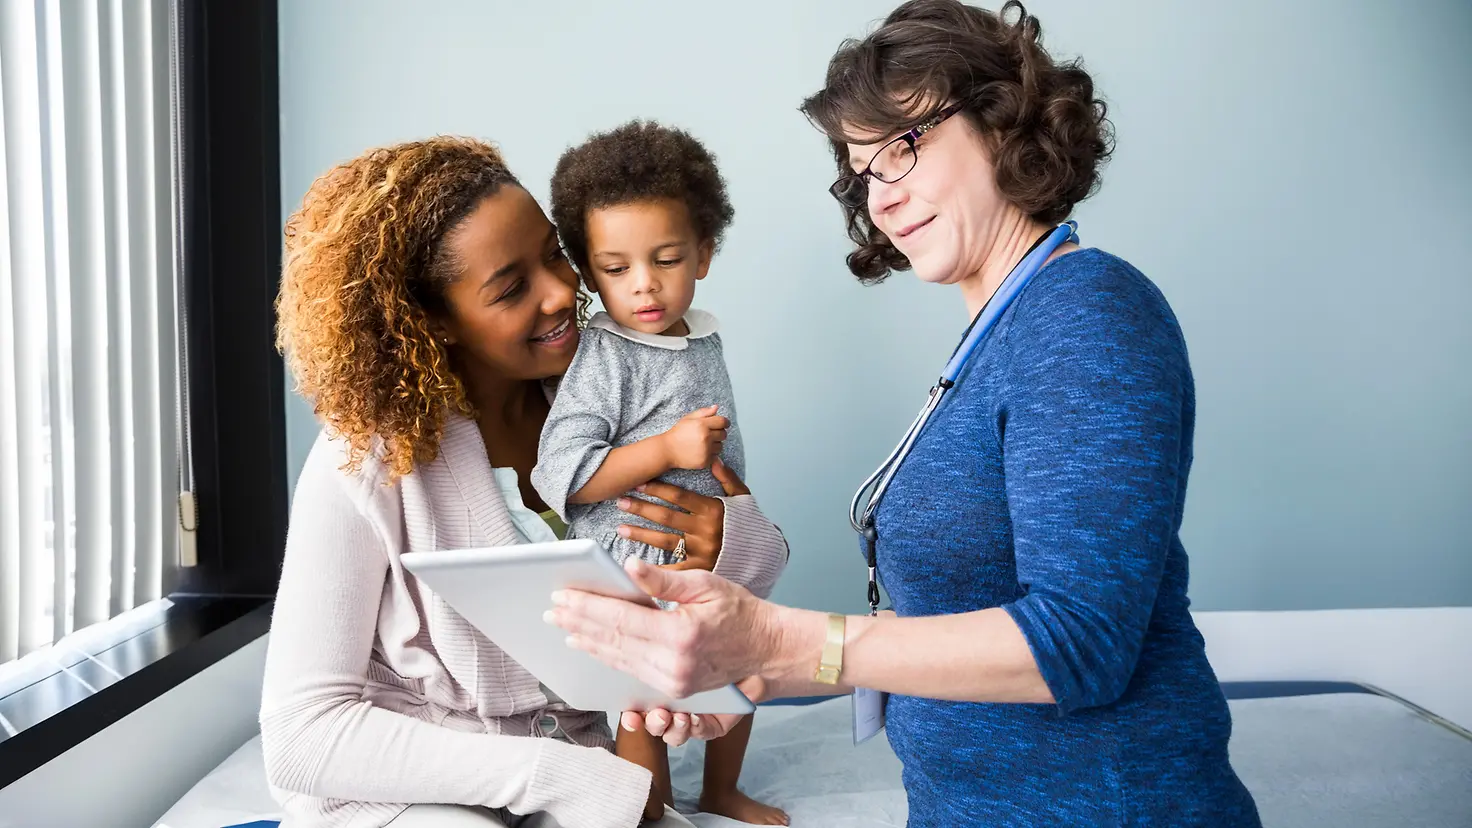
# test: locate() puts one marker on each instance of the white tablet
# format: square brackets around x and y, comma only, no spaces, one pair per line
[504,591]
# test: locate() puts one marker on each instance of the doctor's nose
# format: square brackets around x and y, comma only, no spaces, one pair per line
[885,196]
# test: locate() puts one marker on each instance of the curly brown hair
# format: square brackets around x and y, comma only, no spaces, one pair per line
[364,276]
[1047,132]
[636,162]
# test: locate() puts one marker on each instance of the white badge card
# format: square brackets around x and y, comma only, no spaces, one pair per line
[868,713]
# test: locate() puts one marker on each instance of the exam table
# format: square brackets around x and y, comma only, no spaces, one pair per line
[1353,718]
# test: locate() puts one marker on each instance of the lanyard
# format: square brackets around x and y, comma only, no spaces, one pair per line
[862,520]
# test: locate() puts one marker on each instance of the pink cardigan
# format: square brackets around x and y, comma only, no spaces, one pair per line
[378,696]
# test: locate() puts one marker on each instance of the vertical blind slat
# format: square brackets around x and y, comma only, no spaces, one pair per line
[9,400]
[167,240]
[86,203]
[137,73]
[20,50]
[60,480]
[119,277]
[89,304]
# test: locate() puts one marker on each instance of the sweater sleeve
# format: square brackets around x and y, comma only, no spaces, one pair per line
[1094,448]
[753,550]
[320,736]
[583,422]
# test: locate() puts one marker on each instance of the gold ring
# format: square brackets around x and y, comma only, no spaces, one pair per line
[679,552]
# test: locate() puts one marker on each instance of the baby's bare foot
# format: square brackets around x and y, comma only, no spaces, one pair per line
[736,805]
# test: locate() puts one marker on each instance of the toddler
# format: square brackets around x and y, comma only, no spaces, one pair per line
[642,210]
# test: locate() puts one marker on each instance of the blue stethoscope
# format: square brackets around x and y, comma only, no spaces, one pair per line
[862,520]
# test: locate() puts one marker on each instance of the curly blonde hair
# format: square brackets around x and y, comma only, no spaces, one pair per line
[364,275]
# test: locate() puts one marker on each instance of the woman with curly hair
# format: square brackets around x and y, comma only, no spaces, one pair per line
[1041,662]
[426,310]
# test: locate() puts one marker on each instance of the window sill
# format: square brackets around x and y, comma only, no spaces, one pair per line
[64,709]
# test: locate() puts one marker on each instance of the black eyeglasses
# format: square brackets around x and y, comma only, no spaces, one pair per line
[894,161]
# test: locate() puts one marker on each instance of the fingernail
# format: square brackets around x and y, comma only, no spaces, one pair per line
[624,531]
[694,721]
[623,503]
[629,729]
[639,488]
[550,617]
[559,598]
[574,642]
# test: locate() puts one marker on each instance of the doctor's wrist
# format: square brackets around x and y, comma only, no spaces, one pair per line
[796,648]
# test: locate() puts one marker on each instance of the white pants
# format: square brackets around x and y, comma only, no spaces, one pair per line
[460,816]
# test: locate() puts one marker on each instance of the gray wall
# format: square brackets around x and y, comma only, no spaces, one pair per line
[1295,176]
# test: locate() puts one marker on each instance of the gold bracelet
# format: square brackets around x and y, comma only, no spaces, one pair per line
[831,665]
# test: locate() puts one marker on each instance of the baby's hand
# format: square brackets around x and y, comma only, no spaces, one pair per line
[696,440]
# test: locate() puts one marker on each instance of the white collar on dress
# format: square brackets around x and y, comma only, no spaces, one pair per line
[700,323]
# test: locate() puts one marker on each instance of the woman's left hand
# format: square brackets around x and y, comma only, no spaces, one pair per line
[678,728]
[702,521]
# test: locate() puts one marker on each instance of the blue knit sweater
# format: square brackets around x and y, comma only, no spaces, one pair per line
[1051,483]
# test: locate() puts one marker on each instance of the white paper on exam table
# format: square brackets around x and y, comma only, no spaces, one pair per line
[504,592]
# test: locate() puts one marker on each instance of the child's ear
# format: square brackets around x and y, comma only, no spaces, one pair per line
[706,252]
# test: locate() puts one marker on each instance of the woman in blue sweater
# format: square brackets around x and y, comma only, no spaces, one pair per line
[1041,661]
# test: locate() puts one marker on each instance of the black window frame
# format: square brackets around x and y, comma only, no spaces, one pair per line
[231,203]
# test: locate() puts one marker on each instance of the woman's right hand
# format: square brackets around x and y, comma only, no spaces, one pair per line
[696,440]
[717,634]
